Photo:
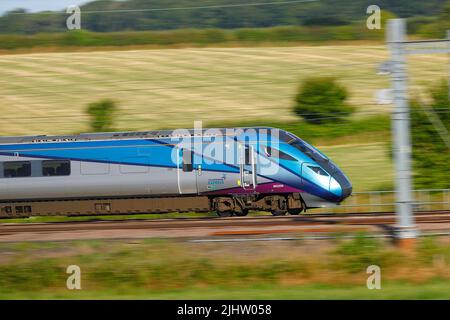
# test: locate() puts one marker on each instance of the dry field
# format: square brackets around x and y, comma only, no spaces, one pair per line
[47,93]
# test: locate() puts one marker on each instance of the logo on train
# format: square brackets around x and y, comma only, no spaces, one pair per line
[213,183]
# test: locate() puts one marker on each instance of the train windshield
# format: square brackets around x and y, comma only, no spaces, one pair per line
[303,146]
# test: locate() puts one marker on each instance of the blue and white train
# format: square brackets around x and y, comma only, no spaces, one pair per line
[229,171]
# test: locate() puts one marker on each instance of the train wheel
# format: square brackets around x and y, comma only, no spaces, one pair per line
[278,212]
[242,213]
[225,213]
[295,212]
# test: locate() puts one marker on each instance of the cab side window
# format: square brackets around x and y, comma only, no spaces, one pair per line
[318,170]
[272,152]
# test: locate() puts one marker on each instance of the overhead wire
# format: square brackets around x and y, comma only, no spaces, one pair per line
[219,6]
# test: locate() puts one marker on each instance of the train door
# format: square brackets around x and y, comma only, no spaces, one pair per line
[186,173]
[247,166]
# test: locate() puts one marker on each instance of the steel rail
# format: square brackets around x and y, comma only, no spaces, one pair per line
[213,222]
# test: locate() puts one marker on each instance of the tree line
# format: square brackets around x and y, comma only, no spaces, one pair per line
[181,14]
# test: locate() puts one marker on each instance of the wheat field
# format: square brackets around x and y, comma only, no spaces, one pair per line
[47,93]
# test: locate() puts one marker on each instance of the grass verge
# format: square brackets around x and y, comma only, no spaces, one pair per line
[435,289]
[156,269]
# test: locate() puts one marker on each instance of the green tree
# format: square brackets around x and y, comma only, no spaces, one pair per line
[317,13]
[431,155]
[322,100]
[102,115]
[444,17]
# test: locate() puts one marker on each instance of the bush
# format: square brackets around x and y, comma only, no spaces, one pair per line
[431,156]
[357,254]
[444,16]
[322,100]
[101,114]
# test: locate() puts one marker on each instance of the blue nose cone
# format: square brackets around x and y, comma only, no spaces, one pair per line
[342,185]
[345,184]
[346,191]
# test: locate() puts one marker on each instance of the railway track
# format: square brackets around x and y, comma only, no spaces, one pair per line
[211,227]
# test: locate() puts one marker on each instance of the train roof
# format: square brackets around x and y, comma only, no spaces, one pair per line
[155,134]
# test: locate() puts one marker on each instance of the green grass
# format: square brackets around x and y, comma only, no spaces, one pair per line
[165,269]
[432,290]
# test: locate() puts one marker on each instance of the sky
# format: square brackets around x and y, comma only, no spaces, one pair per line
[37,5]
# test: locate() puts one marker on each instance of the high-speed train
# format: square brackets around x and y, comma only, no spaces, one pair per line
[229,171]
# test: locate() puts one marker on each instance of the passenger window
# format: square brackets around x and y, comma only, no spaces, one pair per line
[15,169]
[56,168]
[187,160]
[272,152]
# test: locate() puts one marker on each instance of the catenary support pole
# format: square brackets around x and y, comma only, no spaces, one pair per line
[405,231]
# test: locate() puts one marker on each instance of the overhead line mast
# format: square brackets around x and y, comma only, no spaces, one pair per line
[405,231]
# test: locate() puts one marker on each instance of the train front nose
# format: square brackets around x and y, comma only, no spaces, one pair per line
[346,190]
[344,183]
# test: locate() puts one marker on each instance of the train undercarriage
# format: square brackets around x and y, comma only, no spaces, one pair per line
[224,206]
[277,204]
